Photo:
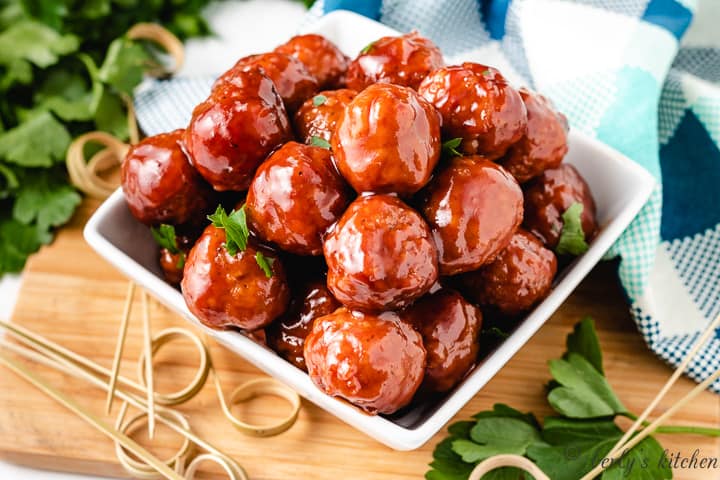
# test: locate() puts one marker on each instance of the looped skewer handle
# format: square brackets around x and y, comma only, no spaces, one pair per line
[499,461]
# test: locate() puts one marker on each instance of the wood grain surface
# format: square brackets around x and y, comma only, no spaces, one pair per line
[73,297]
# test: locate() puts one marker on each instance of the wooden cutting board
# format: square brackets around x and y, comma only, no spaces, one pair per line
[73,297]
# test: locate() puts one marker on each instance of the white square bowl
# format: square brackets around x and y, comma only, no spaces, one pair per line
[620,188]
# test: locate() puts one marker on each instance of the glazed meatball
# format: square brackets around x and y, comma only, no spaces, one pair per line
[233,131]
[318,116]
[295,196]
[473,207]
[403,60]
[286,335]
[321,57]
[380,255]
[387,140]
[519,277]
[479,106]
[224,290]
[545,143]
[374,361]
[549,195]
[291,78]
[450,327]
[160,184]
[172,263]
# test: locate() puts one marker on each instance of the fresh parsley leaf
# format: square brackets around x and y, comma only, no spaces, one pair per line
[449,148]
[40,141]
[572,238]
[319,100]
[125,63]
[265,263]
[566,448]
[367,48]
[446,464]
[500,410]
[583,392]
[165,237]
[235,226]
[110,115]
[36,43]
[496,332]
[69,95]
[320,142]
[647,460]
[17,241]
[571,448]
[44,199]
[11,179]
[584,341]
[496,436]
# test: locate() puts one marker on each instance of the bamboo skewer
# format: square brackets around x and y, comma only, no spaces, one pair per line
[626,442]
[650,429]
[149,377]
[668,385]
[68,403]
[59,362]
[122,334]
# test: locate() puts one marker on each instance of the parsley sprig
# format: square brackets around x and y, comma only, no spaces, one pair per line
[64,68]
[237,234]
[235,226]
[566,446]
[320,142]
[572,238]
[319,100]
[449,148]
[166,238]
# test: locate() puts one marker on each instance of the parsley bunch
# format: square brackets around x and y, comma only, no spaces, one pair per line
[566,446]
[64,65]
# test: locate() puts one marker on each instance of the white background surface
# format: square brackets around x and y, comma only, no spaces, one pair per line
[241,28]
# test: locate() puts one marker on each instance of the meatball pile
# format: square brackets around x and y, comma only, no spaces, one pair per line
[361,214]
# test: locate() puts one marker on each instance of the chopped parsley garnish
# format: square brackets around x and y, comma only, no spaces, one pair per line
[367,48]
[319,100]
[449,148]
[235,226]
[572,238]
[320,142]
[164,236]
[265,263]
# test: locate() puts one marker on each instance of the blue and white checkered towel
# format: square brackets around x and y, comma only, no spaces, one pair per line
[640,75]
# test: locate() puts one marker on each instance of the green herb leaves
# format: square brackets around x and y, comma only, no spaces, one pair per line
[566,447]
[494,436]
[500,430]
[235,226]
[572,238]
[34,42]
[165,237]
[125,64]
[583,391]
[319,100]
[449,148]
[265,263]
[51,90]
[320,142]
[366,49]
[40,141]
[237,235]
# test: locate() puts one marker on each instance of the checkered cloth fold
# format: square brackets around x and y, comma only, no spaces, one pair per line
[640,75]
